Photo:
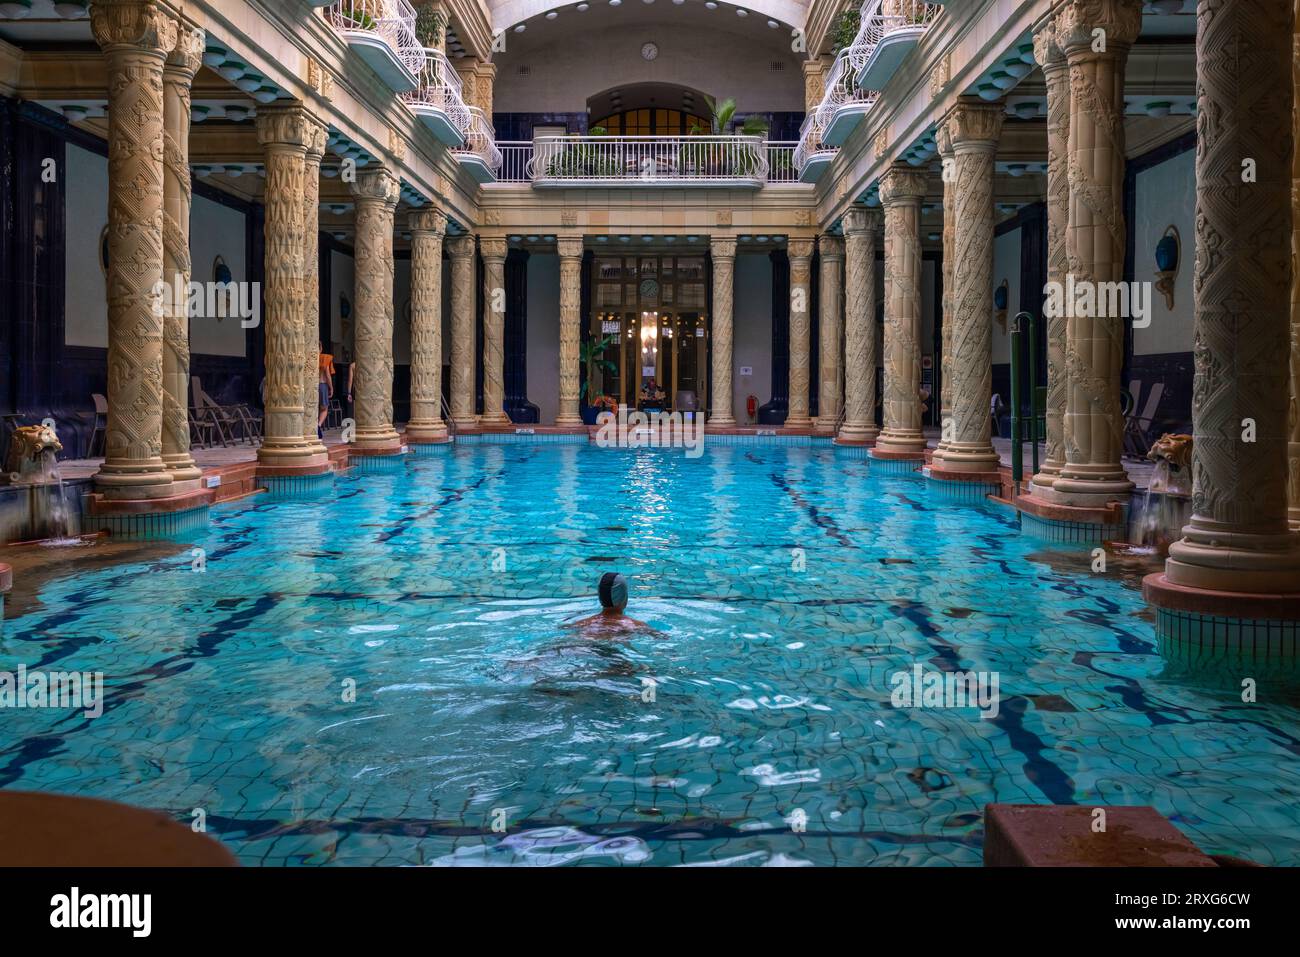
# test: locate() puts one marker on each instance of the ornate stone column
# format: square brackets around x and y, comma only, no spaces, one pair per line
[723,251]
[493,252]
[427,229]
[901,190]
[948,161]
[178,76]
[800,306]
[309,362]
[973,129]
[1238,539]
[461,250]
[570,249]
[860,326]
[831,331]
[1094,426]
[284,132]
[376,191]
[1057,74]
[136,39]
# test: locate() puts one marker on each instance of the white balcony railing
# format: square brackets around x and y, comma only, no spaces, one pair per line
[889,31]
[438,100]
[781,167]
[479,152]
[812,154]
[649,160]
[383,34]
[845,102]
[515,157]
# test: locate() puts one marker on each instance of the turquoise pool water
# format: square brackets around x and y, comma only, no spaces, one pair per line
[755,726]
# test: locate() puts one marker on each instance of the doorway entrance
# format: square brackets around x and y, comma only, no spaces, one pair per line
[649,309]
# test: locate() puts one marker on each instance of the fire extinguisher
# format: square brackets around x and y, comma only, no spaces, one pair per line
[751,406]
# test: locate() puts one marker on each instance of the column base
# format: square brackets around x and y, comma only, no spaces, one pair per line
[568,419]
[183,470]
[1046,476]
[904,442]
[1051,521]
[421,433]
[798,422]
[132,482]
[852,433]
[1249,564]
[1205,625]
[721,422]
[957,459]
[494,420]
[380,441]
[1073,488]
[153,518]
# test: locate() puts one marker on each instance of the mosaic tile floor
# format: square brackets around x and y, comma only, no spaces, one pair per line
[784,587]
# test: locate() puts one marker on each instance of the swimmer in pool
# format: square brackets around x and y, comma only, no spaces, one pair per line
[611,622]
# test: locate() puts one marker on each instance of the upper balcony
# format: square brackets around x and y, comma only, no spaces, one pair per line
[478,154]
[813,154]
[382,32]
[846,102]
[719,161]
[438,101]
[889,32]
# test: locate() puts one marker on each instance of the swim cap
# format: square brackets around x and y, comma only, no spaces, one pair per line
[613,590]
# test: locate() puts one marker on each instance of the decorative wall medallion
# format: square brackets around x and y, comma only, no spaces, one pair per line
[882,143]
[396,145]
[492,217]
[803,217]
[724,217]
[649,50]
[319,79]
[569,217]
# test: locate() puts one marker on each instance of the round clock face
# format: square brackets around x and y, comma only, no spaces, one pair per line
[649,51]
[649,289]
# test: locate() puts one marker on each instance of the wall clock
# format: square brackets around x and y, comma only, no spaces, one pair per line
[649,289]
[649,51]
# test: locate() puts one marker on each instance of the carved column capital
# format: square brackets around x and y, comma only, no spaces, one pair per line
[569,247]
[831,247]
[902,184]
[375,184]
[973,125]
[1047,52]
[289,125]
[317,138]
[186,56]
[800,249]
[493,249]
[859,219]
[460,247]
[428,221]
[1077,23]
[140,25]
[943,139]
[722,247]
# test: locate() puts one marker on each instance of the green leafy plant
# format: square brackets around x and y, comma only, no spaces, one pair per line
[846,27]
[354,12]
[581,161]
[708,158]
[592,355]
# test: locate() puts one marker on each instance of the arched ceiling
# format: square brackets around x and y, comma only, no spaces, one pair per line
[508,14]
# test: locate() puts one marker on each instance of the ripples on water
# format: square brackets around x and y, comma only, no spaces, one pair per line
[788,587]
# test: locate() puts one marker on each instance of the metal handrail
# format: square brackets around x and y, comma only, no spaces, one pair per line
[648,158]
[393,21]
[447,417]
[479,140]
[440,87]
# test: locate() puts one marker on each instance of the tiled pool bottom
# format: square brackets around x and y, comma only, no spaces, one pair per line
[788,585]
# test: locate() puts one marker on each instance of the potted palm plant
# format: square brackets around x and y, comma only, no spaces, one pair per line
[592,356]
[710,159]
